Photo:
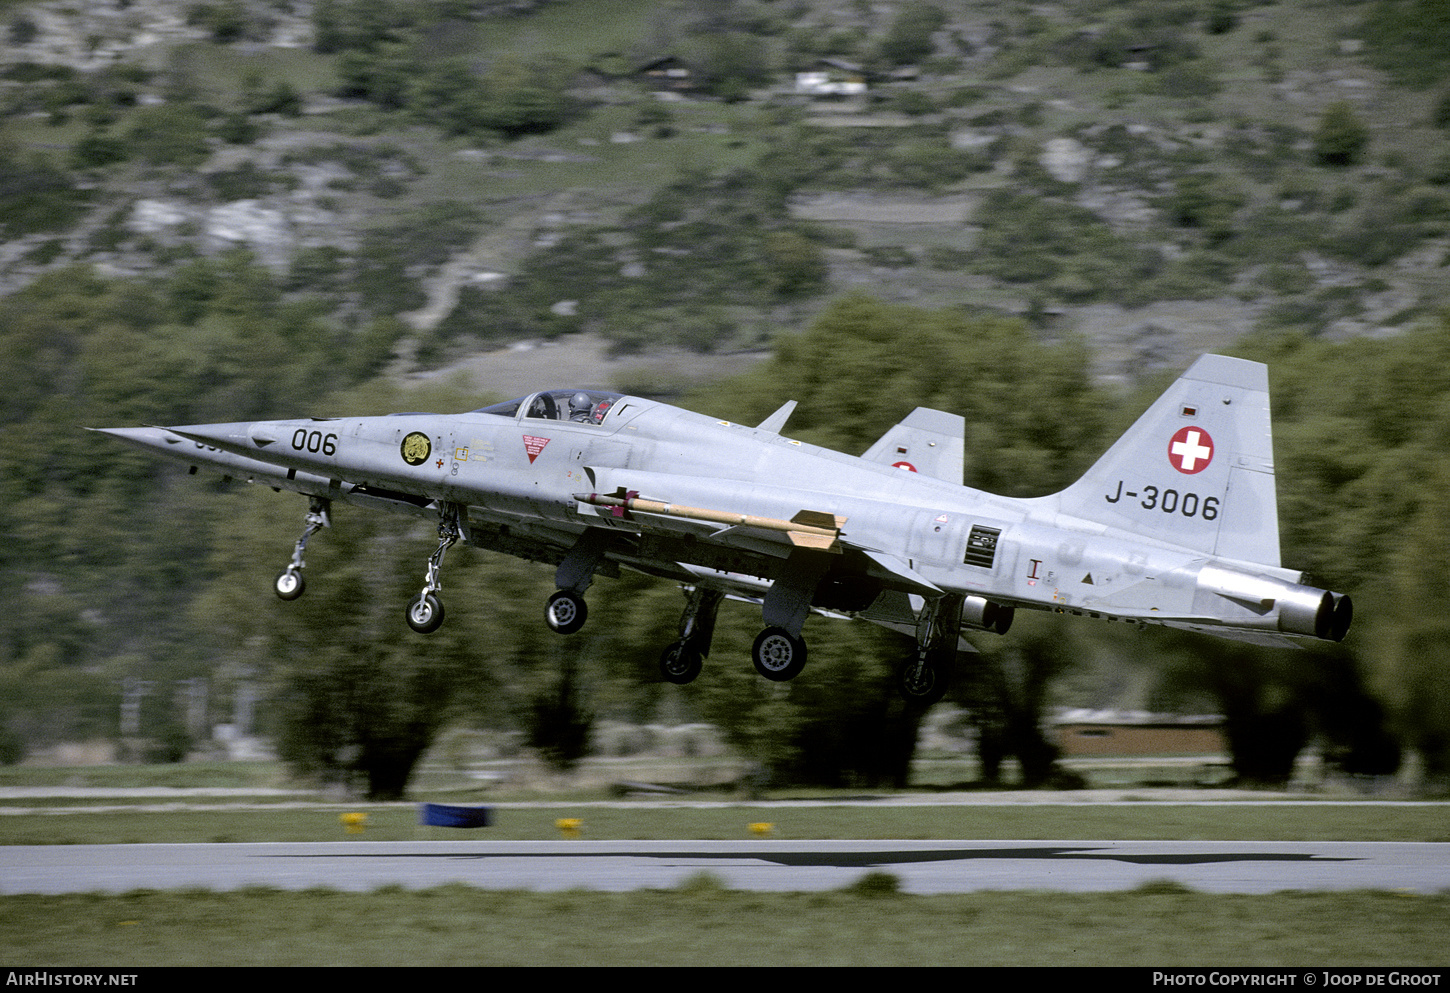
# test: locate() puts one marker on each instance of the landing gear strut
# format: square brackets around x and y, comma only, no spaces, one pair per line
[289,584]
[779,652]
[924,679]
[425,611]
[566,610]
[682,661]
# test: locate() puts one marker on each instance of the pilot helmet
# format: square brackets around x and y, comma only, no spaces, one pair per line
[580,403]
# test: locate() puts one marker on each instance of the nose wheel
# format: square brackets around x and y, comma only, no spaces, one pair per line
[425,613]
[289,585]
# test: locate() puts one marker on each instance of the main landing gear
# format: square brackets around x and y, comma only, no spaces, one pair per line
[566,610]
[778,655]
[682,661]
[924,679]
[779,652]
[289,584]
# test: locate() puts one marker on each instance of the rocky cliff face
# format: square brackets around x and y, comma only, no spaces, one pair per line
[93,35]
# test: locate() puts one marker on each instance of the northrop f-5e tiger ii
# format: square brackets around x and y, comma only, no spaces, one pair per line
[1175,525]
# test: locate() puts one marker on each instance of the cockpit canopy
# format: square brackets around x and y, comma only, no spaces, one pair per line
[578,406]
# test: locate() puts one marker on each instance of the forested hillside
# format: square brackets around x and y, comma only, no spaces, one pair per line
[1026,213]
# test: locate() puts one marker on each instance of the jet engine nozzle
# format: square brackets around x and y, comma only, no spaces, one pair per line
[1327,617]
[1289,608]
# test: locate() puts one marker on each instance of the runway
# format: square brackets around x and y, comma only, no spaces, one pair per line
[923,867]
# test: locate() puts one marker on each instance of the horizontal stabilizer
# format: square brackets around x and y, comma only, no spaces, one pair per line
[931,442]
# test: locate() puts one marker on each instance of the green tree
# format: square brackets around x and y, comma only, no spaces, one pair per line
[1027,239]
[105,547]
[1409,39]
[796,265]
[1222,17]
[171,134]
[1414,676]
[1032,413]
[382,76]
[730,63]
[1203,201]
[839,723]
[908,39]
[1341,137]
[525,97]
[226,20]
[1007,692]
[1359,435]
[35,196]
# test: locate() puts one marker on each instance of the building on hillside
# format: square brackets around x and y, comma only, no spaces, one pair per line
[668,74]
[1120,732]
[832,79]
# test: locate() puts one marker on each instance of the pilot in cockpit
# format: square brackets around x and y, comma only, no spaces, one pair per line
[581,407]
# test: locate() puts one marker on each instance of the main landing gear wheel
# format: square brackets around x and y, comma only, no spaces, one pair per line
[289,585]
[922,683]
[778,655]
[565,612]
[681,663]
[425,613]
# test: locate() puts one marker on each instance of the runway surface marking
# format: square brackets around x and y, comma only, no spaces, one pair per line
[921,866]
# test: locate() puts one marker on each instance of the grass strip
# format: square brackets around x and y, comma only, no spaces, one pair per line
[1029,821]
[703,923]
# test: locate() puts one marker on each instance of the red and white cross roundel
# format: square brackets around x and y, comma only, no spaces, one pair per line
[1190,450]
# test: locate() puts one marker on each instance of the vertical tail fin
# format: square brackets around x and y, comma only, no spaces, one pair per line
[1197,469]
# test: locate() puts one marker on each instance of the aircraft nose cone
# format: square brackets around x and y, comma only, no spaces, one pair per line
[143,437]
[224,436]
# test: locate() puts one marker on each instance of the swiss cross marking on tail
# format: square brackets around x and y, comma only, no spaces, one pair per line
[534,445]
[1190,450]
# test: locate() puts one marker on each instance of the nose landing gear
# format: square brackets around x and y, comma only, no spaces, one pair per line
[289,584]
[425,611]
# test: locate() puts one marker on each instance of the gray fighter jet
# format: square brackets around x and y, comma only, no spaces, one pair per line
[1176,525]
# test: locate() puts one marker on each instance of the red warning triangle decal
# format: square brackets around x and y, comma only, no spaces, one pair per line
[534,445]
